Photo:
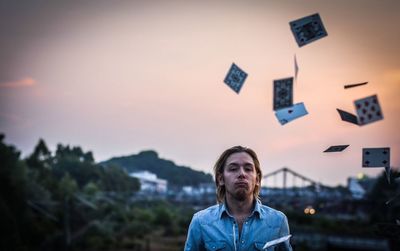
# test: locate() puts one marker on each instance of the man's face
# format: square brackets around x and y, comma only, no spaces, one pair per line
[239,176]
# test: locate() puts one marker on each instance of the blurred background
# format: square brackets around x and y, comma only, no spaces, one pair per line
[112,115]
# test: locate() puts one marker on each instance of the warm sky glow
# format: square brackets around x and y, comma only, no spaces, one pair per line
[25,82]
[118,77]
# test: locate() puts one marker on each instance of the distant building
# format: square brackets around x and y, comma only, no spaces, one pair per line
[188,189]
[149,182]
[355,188]
[207,188]
[201,189]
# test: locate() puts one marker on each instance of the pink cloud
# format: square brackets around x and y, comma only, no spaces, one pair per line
[25,82]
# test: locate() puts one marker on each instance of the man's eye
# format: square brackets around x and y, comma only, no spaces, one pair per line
[249,168]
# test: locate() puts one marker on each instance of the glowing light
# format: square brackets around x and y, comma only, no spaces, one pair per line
[309,210]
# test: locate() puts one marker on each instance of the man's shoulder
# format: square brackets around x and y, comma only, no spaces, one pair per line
[271,212]
[208,214]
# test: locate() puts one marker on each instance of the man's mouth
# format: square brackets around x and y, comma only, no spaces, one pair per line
[241,184]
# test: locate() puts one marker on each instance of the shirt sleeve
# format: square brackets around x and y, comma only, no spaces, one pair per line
[194,240]
[285,246]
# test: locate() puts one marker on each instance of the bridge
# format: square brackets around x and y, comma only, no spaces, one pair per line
[286,185]
[284,172]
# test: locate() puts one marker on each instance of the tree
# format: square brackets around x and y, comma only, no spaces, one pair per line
[91,189]
[40,166]
[382,193]
[117,180]
[12,198]
[385,208]
[78,164]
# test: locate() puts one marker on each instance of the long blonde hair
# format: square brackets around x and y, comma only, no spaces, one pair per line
[219,170]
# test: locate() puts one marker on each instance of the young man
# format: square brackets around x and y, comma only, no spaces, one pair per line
[239,221]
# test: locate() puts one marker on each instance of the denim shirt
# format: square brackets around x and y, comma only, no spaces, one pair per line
[215,229]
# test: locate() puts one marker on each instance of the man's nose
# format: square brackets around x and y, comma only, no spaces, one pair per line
[241,172]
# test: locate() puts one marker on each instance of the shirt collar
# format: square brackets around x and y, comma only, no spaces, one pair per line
[256,210]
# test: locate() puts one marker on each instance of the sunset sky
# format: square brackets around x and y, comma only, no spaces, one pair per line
[119,77]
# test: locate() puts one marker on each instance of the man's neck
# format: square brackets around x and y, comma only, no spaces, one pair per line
[240,208]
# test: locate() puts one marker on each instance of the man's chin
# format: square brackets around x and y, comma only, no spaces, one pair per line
[241,194]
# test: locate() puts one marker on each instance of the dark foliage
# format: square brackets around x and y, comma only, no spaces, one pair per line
[65,201]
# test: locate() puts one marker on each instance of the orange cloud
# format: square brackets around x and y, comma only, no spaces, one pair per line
[25,82]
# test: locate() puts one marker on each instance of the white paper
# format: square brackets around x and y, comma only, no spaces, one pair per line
[276,241]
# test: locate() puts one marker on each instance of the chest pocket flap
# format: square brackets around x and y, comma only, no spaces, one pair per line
[215,245]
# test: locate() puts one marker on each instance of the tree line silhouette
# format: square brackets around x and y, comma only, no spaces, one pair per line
[65,201]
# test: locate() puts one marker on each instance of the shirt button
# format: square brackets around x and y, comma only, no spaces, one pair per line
[242,242]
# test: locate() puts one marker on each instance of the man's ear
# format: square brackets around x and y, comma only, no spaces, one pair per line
[258,181]
[220,179]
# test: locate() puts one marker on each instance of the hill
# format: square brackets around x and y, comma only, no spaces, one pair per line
[164,169]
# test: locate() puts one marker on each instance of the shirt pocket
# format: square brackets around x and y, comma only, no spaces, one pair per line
[259,245]
[215,245]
